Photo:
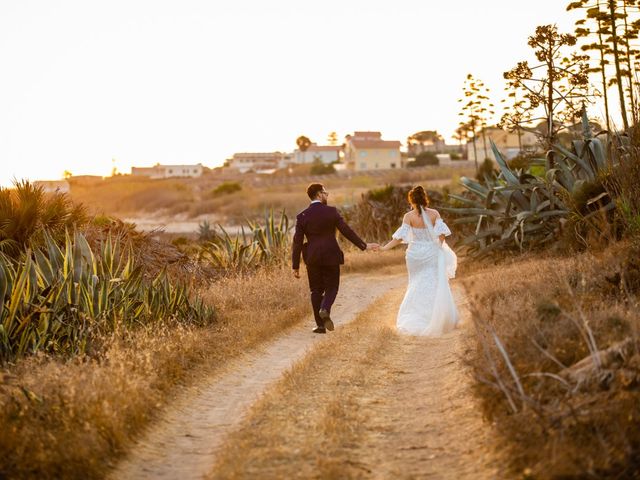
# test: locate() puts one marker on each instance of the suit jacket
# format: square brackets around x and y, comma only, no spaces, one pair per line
[318,223]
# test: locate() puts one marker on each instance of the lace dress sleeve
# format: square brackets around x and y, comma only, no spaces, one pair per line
[402,233]
[440,228]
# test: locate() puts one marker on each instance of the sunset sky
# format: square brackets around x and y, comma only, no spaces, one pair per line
[145,81]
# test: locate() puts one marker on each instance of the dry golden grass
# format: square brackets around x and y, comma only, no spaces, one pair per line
[73,419]
[132,196]
[307,425]
[126,195]
[543,310]
[357,261]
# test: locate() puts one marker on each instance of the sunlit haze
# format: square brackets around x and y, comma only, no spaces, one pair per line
[89,85]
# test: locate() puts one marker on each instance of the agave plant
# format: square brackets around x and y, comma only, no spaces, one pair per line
[522,210]
[254,246]
[229,253]
[57,300]
[273,238]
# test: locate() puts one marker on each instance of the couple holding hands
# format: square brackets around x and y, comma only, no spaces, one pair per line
[428,307]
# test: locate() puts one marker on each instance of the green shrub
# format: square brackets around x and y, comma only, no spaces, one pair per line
[423,159]
[226,188]
[319,168]
[623,183]
[486,171]
[379,212]
[381,194]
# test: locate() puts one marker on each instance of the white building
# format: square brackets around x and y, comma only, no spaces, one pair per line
[259,161]
[168,171]
[323,153]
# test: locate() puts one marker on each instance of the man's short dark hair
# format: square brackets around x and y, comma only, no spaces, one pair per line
[313,189]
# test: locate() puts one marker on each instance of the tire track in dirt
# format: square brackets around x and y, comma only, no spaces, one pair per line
[183,442]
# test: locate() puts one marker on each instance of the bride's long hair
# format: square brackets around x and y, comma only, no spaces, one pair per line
[418,198]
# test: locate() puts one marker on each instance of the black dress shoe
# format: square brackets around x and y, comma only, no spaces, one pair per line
[319,330]
[326,318]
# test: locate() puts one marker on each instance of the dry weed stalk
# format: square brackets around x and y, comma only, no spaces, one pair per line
[566,331]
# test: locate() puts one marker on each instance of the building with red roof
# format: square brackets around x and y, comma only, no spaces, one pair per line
[367,151]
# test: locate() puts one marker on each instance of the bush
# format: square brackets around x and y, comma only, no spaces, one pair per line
[379,212]
[519,162]
[319,168]
[27,211]
[486,170]
[622,184]
[226,188]
[423,159]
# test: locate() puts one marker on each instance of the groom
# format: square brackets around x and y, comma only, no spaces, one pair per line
[321,253]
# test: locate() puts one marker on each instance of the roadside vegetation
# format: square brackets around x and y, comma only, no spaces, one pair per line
[101,323]
[552,245]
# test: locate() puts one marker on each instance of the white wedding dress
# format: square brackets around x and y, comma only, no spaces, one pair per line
[428,308]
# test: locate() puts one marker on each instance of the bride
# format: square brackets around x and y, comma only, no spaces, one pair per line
[428,308]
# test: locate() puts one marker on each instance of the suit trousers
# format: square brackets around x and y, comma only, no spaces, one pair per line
[324,281]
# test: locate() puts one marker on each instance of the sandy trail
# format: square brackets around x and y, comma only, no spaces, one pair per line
[423,419]
[184,442]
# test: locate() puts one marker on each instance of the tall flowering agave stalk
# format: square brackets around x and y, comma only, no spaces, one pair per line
[521,210]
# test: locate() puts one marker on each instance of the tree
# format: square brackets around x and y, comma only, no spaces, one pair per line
[332,138]
[460,134]
[463,133]
[303,144]
[631,30]
[560,91]
[617,32]
[477,111]
[424,139]
[597,17]
[67,174]
[515,115]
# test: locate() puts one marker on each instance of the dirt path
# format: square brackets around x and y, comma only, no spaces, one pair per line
[379,404]
[368,404]
[423,421]
[184,442]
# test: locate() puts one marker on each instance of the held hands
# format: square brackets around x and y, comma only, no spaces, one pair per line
[373,246]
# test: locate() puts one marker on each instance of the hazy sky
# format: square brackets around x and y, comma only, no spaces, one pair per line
[145,81]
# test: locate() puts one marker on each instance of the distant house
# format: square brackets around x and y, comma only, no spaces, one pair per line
[322,153]
[367,151]
[53,186]
[259,161]
[168,171]
[507,142]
